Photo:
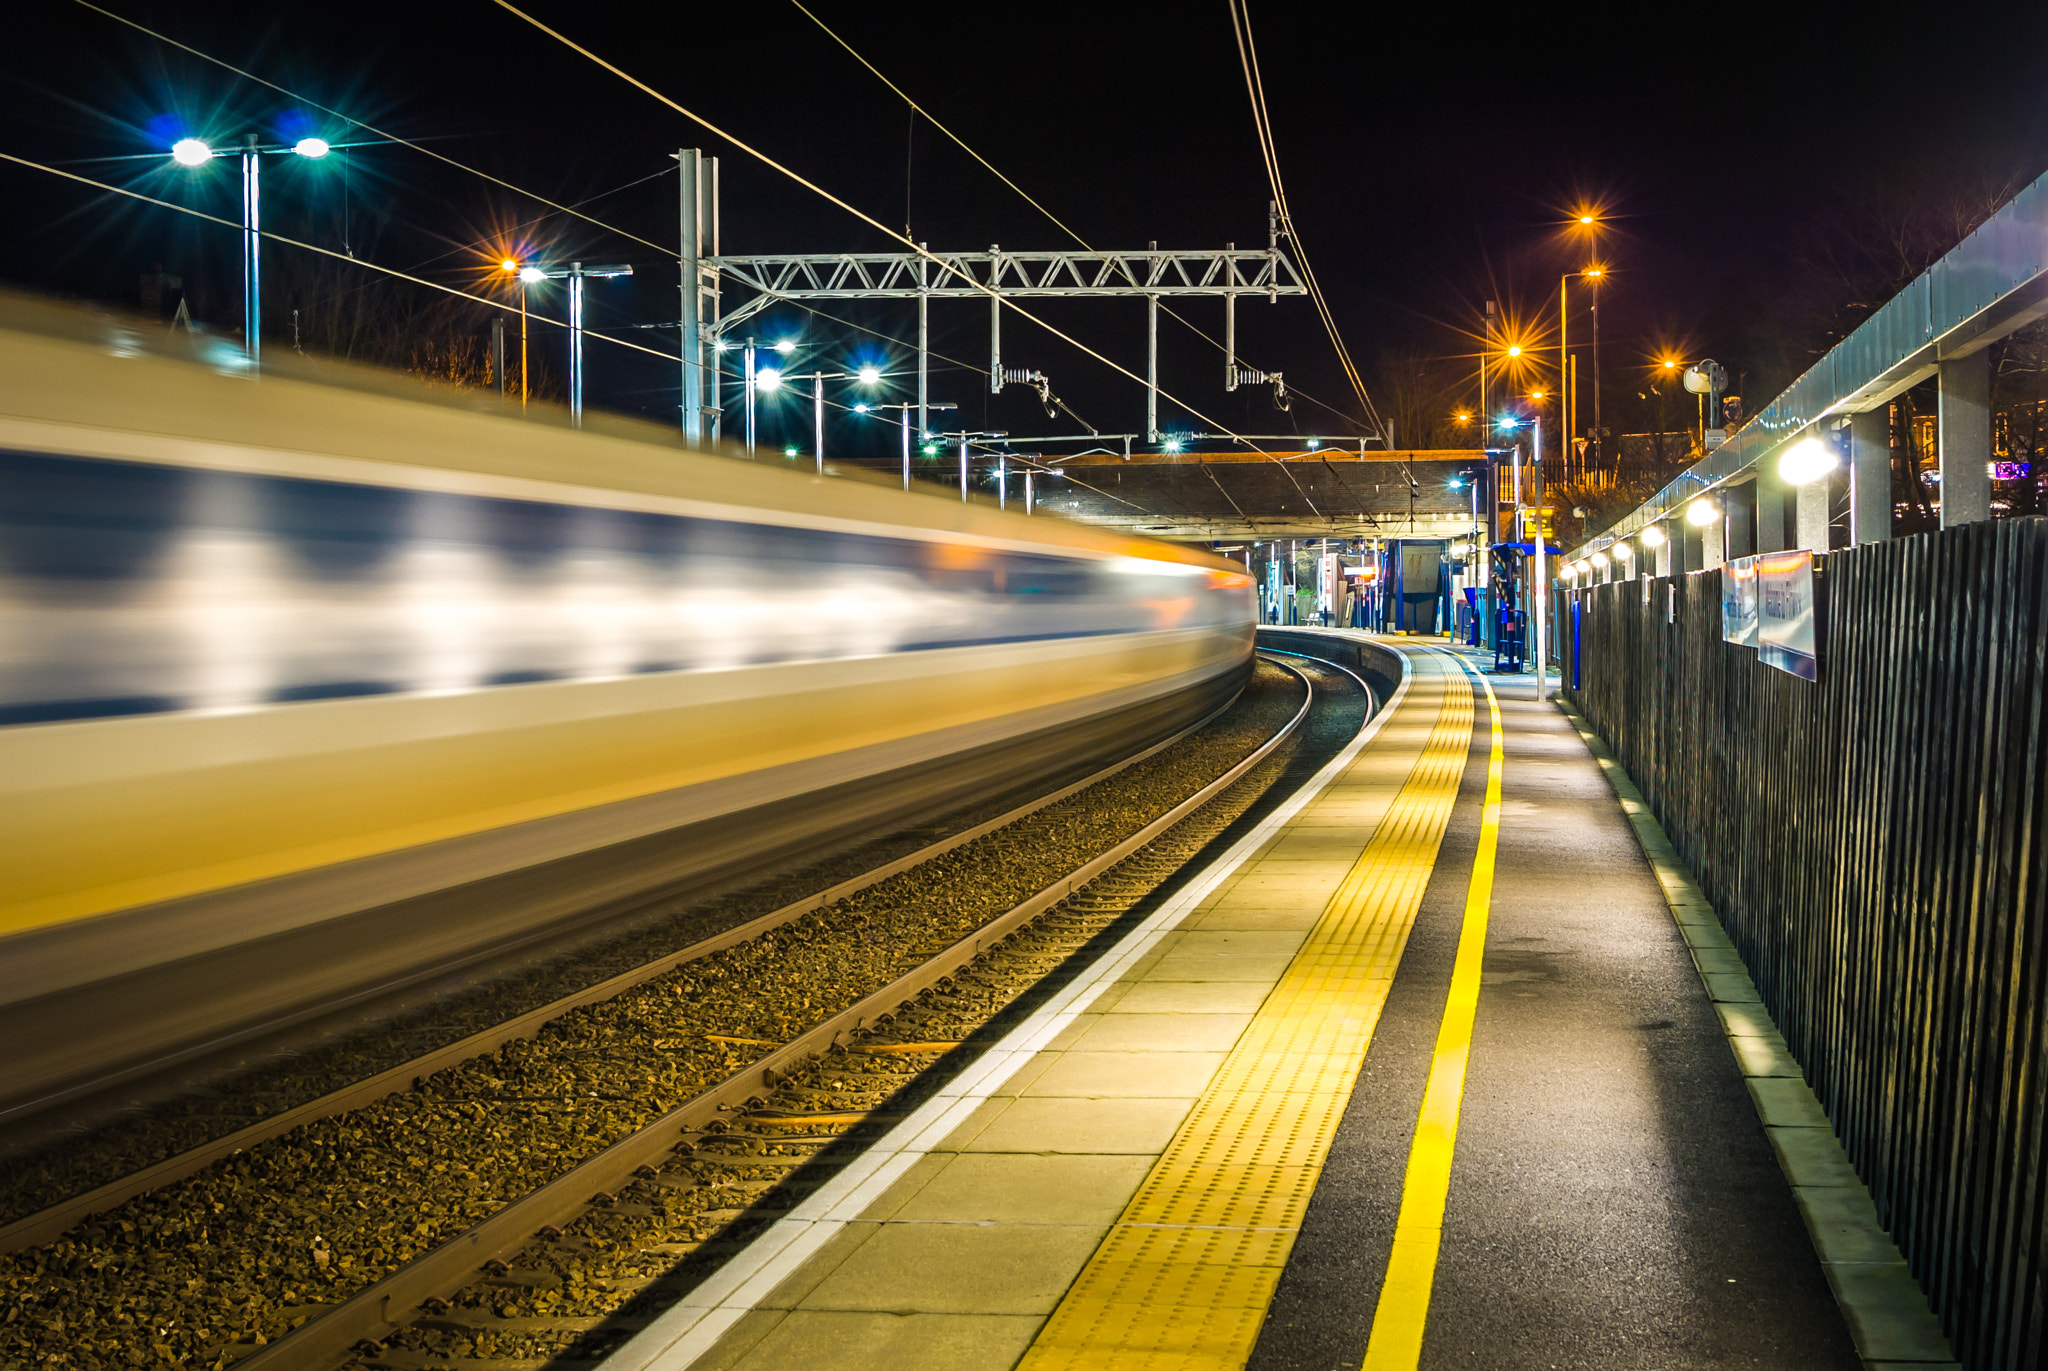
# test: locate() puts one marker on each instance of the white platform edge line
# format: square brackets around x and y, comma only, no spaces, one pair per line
[690,1328]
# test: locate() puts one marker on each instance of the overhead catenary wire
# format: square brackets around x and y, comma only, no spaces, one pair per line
[556,207]
[664,249]
[860,214]
[372,266]
[1247,52]
[327,252]
[1028,198]
[526,224]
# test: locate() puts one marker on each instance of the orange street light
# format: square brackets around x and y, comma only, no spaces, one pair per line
[510,266]
[1514,349]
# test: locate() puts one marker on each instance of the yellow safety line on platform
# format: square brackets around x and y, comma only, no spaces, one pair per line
[1403,1311]
[1184,1278]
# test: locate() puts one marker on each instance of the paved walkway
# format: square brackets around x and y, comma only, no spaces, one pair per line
[1206,1151]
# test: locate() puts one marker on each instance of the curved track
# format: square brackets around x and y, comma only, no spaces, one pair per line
[309,1263]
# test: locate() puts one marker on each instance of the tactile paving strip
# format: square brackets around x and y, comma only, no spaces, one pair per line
[1184,1278]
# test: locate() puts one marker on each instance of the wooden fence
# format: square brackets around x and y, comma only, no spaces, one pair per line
[1873,843]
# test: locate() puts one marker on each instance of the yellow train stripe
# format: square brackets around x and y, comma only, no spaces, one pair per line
[1403,1310]
[1184,1277]
[300,787]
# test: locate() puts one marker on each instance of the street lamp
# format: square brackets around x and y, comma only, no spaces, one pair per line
[1808,460]
[965,438]
[1566,408]
[525,276]
[575,274]
[751,380]
[193,153]
[866,376]
[906,410]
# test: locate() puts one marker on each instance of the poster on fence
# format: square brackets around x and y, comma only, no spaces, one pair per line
[1739,609]
[1786,637]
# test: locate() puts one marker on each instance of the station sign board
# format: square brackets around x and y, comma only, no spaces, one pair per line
[1787,628]
[1739,604]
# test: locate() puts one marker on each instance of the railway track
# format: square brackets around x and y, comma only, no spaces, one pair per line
[45,1194]
[529,1202]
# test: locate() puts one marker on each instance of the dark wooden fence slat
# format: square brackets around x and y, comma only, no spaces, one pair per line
[1873,844]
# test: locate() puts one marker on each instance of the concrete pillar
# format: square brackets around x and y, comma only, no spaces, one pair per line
[1811,514]
[1742,530]
[1689,548]
[1773,498]
[1659,557]
[1870,475]
[1714,540]
[1964,429]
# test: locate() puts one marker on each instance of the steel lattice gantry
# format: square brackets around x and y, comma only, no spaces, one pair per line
[996,275]
[957,275]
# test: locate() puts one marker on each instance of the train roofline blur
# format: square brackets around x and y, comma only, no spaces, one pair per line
[180,883]
[334,421]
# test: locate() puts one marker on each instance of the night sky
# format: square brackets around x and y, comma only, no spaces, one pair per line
[1432,154]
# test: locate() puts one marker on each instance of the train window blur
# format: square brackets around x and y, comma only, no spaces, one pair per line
[134,588]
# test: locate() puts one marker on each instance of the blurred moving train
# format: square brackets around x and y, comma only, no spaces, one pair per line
[324,682]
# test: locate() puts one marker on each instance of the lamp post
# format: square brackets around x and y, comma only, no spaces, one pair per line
[753,379]
[576,273]
[965,439]
[906,410]
[867,376]
[1541,592]
[194,153]
[1567,404]
[525,276]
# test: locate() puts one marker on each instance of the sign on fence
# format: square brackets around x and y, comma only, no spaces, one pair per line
[1739,609]
[1785,619]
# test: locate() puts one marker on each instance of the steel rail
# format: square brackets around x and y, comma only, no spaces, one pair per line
[381,1309]
[49,1223]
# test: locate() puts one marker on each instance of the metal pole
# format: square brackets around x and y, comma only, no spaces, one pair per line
[717,388]
[906,447]
[522,345]
[963,471]
[748,381]
[1002,481]
[1152,368]
[252,272]
[1541,595]
[995,324]
[818,416]
[497,352]
[1599,441]
[1030,504]
[1564,366]
[1515,529]
[576,344]
[924,342]
[690,268]
[1230,343]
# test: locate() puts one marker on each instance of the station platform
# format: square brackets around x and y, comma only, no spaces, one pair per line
[1420,1073]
